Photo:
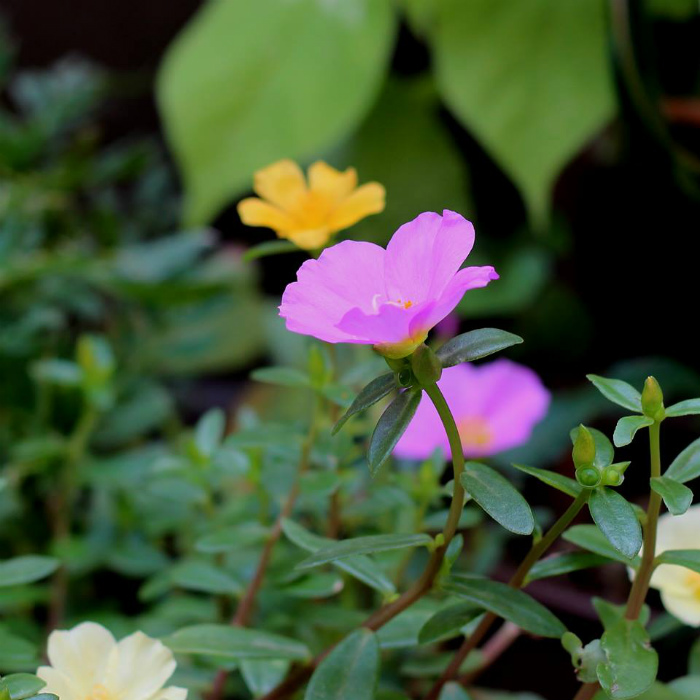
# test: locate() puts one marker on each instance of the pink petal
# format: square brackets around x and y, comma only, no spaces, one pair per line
[424,254]
[463,281]
[509,398]
[345,276]
[388,324]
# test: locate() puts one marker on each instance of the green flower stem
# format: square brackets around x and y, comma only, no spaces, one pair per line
[640,587]
[516,581]
[423,585]
[61,506]
[245,608]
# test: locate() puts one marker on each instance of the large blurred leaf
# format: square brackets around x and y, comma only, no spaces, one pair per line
[350,671]
[529,79]
[404,145]
[247,83]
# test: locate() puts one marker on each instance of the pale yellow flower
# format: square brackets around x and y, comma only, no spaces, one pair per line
[87,663]
[309,214]
[679,587]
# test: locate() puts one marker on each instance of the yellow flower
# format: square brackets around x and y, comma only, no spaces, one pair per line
[679,587]
[88,664]
[309,214]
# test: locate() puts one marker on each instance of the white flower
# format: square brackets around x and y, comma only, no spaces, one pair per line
[679,587]
[87,663]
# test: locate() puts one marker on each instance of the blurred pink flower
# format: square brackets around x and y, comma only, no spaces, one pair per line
[357,292]
[495,405]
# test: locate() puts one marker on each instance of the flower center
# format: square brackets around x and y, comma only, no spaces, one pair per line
[692,580]
[474,433]
[98,692]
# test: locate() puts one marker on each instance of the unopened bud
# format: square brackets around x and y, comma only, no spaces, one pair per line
[426,365]
[653,400]
[583,453]
[405,377]
[612,477]
[589,477]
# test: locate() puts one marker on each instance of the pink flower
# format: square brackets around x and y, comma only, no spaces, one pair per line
[495,405]
[357,292]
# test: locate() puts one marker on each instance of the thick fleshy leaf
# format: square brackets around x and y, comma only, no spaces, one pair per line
[627,428]
[205,577]
[360,567]
[22,685]
[508,603]
[282,376]
[686,466]
[677,497]
[604,451]
[247,83]
[690,407]
[403,631]
[349,672]
[375,391]
[364,545]
[688,558]
[591,538]
[498,497]
[553,479]
[474,345]
[262,675]
[631,663]
[26,569]
[448,622]
[554,88]
[617,521]
[232,538]
[617,391]
[228,642]
[561,564]
[391,426]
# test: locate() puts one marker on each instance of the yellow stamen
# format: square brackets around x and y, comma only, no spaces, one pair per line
[692,580]
[98,692]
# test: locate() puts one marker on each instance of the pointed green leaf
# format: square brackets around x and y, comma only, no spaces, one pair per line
[631,663]
[604,451]
[691,407]
[247,83]
[364,545]
[282,376]
[591,538]
[688,558]
[617,391]
[349,672]
[561,564]
[676,496]
[26,569]
[627,428]
[235,643]
[205,577]
[686,466]
[448,622]
[262,675]
[555,88]
[508,603]
[391,427]
[232,538]
[360,567]
[553,479]
[262,250]
[474,345]
[498,497]
[617,521]
[375,391]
